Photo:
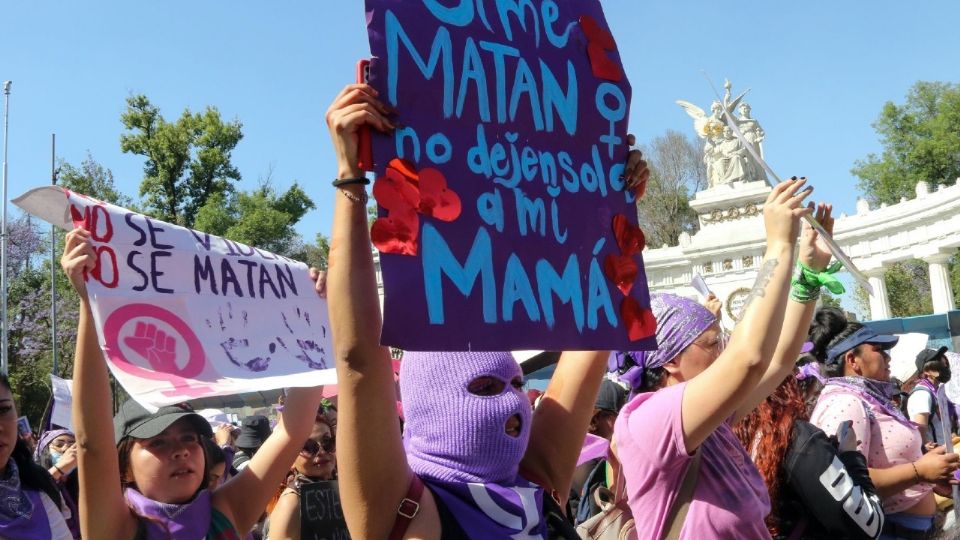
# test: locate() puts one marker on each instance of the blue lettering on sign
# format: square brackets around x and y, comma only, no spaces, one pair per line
[566,288]
[547,99]
[516,286]
[439,261]
[442,49]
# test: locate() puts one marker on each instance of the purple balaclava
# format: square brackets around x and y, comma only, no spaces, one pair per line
[680,321]
[452,435]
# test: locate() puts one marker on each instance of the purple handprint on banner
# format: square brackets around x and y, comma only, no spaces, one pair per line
[238,349]
[311,353]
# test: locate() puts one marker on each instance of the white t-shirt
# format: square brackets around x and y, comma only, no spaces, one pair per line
[921,402]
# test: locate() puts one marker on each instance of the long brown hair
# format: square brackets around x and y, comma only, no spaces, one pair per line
[766,434]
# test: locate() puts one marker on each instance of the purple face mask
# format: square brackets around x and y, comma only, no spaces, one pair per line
[453,435]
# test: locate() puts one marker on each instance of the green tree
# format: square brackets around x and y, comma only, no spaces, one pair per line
[676,173]
[93,179]
[261,218]
[316,254]
[187,161]
[921,142]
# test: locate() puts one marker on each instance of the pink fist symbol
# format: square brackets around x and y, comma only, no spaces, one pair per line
[155,346]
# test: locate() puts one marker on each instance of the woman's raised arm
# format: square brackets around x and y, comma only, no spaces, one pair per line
[372,466]
[103,511]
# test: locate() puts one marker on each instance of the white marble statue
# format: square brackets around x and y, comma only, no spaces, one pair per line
[725,157]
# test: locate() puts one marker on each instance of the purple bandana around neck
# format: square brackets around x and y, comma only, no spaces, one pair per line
[924,382]
[494,510]
[35,524]
[164,521]
[14,503]
[876,393]
[22,514]
[679,322]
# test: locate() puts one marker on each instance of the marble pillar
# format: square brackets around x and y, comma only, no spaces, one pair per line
[940,290]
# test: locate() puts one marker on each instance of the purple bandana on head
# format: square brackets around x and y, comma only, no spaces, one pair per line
[452,435]
[46,439]
[679,322]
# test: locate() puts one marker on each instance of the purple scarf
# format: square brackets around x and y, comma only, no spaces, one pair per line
[165,521]
[493,510]
[22,514]
[876,393]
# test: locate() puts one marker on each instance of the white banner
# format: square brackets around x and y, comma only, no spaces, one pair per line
[62,402]
[181,314]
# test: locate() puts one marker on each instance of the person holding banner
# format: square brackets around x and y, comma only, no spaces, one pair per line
[144,476]
[858,389]
[674,440]
[30,504]
[490,464]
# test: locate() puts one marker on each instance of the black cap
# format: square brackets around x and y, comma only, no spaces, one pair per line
[929,355]
[611,397]
[135,421]
[254,430]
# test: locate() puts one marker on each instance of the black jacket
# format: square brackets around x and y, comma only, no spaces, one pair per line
[827,493]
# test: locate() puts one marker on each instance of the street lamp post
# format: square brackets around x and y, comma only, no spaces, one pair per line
[53,260]
[4,366]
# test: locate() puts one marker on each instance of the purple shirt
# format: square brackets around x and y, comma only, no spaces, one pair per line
[730,499]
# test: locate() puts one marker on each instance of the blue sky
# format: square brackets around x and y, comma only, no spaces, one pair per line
[819,73]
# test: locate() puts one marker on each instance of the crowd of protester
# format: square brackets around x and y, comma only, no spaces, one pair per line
[786,427]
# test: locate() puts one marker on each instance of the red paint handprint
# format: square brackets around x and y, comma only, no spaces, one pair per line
[155,346]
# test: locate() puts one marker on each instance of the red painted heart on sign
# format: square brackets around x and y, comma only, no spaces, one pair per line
[595,33]
[599,41]
[394,192]
[640,322]
[405,168]
[602,66]
[436,198]
[396,233]
[629,237]
[621,270]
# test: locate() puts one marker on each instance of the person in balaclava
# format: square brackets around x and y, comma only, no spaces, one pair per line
[474,461]
[933,369]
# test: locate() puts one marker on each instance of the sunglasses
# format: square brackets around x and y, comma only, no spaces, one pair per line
[312,447]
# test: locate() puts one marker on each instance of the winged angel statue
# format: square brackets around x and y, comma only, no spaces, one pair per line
[726,158]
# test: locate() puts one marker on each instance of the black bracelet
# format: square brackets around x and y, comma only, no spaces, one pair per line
[348,181]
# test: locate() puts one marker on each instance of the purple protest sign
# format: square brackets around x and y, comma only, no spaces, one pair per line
[503,221]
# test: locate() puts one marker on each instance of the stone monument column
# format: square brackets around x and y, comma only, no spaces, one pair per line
[879,301]
[940,290]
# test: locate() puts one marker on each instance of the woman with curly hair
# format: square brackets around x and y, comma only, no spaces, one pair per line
[819,486]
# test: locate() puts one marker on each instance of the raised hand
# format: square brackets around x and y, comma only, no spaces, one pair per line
[636,173]
[319,278]
[783,209]
[78,258]
[356,106]
[814,251]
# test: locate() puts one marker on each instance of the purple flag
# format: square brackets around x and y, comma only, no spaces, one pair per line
[503,220]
